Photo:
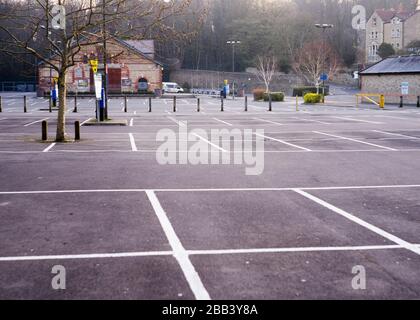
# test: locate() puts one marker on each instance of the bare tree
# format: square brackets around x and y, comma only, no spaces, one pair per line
[315,58]
[27,28]
[266,67]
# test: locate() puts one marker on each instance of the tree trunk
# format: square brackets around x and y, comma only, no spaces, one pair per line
[62,100]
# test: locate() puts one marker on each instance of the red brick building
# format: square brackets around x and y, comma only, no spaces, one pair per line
[131,64]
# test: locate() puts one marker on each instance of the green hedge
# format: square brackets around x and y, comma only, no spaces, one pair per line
[275,96]
[312,98]
[301,91]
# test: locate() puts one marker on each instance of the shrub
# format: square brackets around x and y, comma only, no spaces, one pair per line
[301,91]
[186,86]
[275,96]
[312,98]
[258,94]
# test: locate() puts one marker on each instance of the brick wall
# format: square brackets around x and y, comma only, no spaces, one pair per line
[390,86]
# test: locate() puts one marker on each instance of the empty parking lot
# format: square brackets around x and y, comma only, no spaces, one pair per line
[340,188]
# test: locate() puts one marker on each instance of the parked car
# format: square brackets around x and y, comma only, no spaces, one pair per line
[171,87]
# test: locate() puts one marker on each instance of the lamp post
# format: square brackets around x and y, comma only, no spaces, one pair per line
[233,43]
[324,27]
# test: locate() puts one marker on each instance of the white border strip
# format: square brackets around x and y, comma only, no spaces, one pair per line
[49,147]
[208,189]
[355,140]
[31,123]
[196,252]
[180,253]
[209,142]
[282,141]
[132,142]
[361,222]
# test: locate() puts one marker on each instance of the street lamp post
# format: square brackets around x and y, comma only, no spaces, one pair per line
[324,27]
[233,43]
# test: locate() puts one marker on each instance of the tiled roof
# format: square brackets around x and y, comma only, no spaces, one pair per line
[395,65]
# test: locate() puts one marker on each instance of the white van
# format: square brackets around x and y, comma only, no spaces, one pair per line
[171,87]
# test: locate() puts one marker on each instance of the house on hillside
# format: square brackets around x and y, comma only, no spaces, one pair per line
[393,77]
[397,27]
[131,68]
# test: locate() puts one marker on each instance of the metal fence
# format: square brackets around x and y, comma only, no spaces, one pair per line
[17,86]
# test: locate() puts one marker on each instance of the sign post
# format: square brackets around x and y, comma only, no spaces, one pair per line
[404,88]
[97,77]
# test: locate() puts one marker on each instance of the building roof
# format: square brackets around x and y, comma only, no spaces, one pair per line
[145,46]
[387,15]
[395,65]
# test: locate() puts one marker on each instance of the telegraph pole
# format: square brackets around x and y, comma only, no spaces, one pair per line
[105,80]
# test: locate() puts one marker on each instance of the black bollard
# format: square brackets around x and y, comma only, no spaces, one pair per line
[246,103]
[76,130]
[49,104]
[401,101]
[44,131]
[75,104]
[418,101]
[150,104]
[1,104]
[222,105]
[125,104]
[198,104]
[270,107]
[174,104]
[24,104]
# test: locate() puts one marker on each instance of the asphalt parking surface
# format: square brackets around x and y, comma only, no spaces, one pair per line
[339,188]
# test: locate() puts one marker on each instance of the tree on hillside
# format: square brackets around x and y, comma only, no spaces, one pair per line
[266,67]
[315,58]
[386,50]
[55,31]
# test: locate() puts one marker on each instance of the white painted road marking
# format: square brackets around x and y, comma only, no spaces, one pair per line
[282,141]
[408,186]
[355,140]
[180,254]
[49,147]
[397,134]
[358,120]
[131,122]
[210,143]
[361,222]
[132,142]
[269,121]
[225,122]
[31,123]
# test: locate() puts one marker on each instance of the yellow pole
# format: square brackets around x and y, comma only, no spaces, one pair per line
[382,101]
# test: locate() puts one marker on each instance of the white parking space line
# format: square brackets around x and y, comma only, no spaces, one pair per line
[269,121]
[367,187]
[361,222]
[85,121]
[225,122]
[47,149]
[132,142]
[397,134]
[298,249]
[180,254]
[31,123]
[210,143]
[131,122]
[180,123]
[355,140]
[197,252]
[311,120]
[357,120]
[282,141]
[87,256]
